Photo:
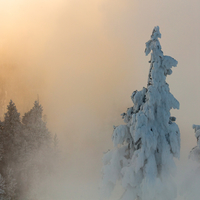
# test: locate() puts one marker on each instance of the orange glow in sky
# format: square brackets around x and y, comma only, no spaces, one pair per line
[85,58]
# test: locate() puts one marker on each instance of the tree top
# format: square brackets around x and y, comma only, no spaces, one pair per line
[156,33]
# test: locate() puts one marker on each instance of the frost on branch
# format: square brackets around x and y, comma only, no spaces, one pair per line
[144,148]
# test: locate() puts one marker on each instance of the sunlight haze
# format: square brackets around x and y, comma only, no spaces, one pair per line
[83,60]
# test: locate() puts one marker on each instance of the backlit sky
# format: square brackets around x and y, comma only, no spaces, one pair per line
[85,58]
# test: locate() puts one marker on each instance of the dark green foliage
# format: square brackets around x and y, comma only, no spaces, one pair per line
[27,153]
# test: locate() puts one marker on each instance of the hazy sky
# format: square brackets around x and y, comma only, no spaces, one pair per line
[85,58]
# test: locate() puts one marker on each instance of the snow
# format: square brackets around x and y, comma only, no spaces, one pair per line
[121,134]
[145,147]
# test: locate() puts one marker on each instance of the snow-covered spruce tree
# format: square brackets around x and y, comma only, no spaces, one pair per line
[145,146]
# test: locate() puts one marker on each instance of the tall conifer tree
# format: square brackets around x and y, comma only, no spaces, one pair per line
[145,147]
[11,133]
[12,130]
[35,127]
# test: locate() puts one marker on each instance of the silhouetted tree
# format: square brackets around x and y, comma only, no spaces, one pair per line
[35,128]
[12,139]
[27,151]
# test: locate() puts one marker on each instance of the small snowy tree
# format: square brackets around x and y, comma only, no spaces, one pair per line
[190,185]
[146,145]
[195,152]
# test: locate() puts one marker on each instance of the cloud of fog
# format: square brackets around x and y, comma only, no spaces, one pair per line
[65,53]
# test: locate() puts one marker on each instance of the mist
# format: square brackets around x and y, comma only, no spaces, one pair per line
[63,53]
[83,60]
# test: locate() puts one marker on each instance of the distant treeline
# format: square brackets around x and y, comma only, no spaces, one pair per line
[28,153]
